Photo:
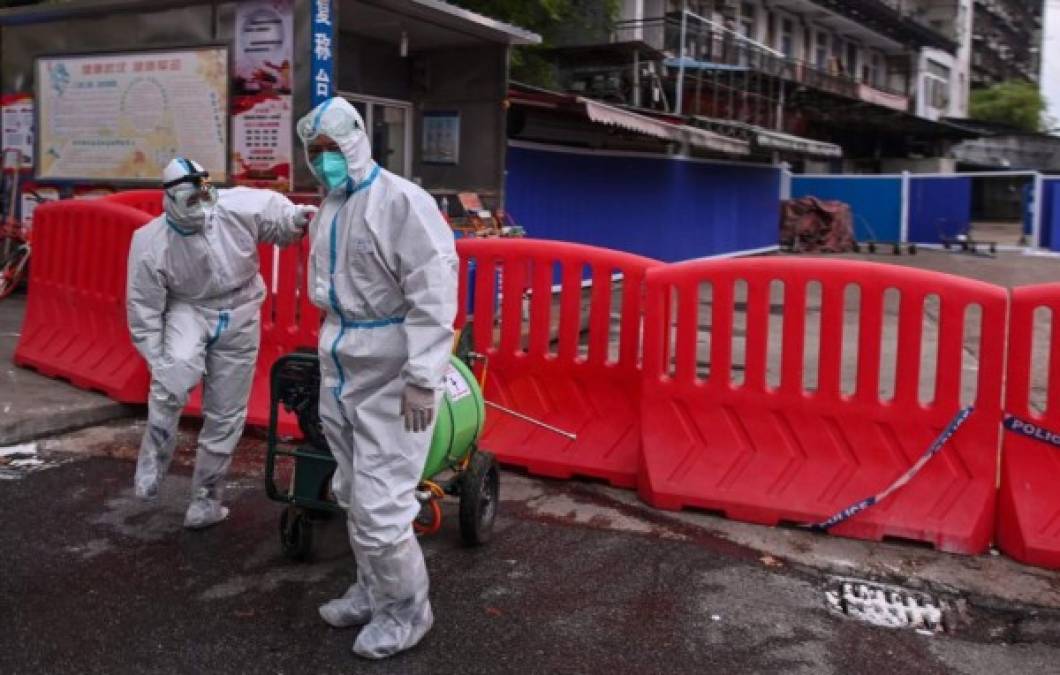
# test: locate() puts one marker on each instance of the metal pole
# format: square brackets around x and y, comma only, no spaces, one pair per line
[531,420]
[780,108]
[636,78]
[903,227]
[1036,219]
[679,101]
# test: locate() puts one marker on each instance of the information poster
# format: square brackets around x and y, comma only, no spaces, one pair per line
[16,120]
[441,137]
[261,108]
[30,201]
[123,117]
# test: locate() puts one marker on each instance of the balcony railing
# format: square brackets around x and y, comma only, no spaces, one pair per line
[712,47]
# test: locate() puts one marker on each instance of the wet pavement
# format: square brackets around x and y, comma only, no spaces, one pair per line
[94,581]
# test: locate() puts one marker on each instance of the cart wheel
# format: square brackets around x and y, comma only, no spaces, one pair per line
[296,534]
[993,249]
[479,497]
[912,249]
[857,247]
[946,245]
[898,249]
[872,247]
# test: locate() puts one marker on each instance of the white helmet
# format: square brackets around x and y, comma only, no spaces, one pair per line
[188,194]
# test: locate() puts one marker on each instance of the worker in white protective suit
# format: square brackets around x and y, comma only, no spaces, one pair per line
[384,269]
[193,302]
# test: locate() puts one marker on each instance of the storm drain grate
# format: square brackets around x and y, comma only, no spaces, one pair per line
[889,606]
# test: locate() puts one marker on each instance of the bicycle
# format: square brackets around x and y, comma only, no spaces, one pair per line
[16,250]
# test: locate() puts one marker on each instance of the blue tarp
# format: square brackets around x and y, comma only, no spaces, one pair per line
[875,202]
[668,209]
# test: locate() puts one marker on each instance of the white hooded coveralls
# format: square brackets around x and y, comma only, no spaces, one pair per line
[383,268]
[193,303]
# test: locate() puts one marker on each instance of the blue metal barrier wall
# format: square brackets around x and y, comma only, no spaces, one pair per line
[1050,231]
[939,206]
[876,202]
[666,209]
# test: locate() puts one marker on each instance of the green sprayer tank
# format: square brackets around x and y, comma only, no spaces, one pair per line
[460,418]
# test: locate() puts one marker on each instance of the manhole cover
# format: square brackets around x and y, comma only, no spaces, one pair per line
[889,606]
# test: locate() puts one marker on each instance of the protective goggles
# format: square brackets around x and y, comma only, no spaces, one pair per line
[197,183]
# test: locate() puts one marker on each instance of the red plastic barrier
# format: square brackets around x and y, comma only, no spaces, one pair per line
[289,321]
[553,366]
[785,454]
[148,201]
[1028,526]
[75,325]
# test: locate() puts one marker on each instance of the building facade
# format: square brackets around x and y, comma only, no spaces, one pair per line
[872,76]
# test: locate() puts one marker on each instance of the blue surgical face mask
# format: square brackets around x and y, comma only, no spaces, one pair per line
[331,169]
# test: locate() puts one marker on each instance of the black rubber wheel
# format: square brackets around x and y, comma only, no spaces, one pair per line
[479,498]
[898,249]
[993,249]
[296,534]
[872,247]
[946,245]
[912,249]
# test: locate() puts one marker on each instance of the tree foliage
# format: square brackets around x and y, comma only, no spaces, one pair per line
[558,22]
[1015,103]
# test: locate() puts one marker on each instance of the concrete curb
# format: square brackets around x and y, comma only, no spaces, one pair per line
[33,426]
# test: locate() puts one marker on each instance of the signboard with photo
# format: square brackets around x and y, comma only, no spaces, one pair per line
[16,118]
[261,107]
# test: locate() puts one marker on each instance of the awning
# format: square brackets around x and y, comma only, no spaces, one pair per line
[768,139]
[601,113]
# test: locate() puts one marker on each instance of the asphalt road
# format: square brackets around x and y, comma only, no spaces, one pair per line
[93,581]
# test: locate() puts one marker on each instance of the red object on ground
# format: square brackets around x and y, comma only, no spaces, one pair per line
[1028,524]
[148,201]
[551,360]
[75,326]
[810,224]
[789,454]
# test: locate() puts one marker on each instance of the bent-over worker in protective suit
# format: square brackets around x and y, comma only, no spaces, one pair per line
[193,302]
[384,269]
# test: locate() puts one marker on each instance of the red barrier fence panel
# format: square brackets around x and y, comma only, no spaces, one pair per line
[148,201]
[1028,527]
[75,325]
[758,439]
[551,355]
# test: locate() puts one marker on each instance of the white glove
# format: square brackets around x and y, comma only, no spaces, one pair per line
[306,213]
[417,407]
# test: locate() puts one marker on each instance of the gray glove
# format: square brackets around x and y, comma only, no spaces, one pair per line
[417,406]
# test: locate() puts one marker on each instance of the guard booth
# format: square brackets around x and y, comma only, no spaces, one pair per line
[99,94]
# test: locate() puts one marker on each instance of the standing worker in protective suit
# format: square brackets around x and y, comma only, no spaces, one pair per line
[193,302]
[384,269]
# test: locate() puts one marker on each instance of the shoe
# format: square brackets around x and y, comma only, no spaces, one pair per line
[385,636]
[203,512]
[352,609]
